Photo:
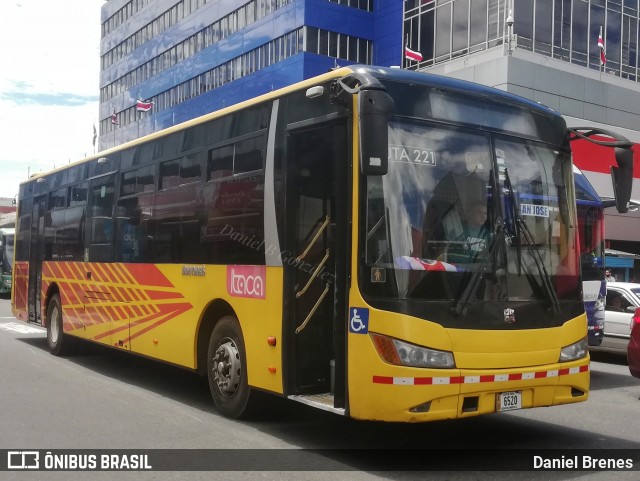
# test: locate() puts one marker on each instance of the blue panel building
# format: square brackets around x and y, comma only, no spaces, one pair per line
[190,57]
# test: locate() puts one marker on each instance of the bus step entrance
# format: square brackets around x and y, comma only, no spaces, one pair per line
[321,401]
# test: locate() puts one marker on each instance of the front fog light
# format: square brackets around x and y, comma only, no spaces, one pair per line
[402,353]
[574,351]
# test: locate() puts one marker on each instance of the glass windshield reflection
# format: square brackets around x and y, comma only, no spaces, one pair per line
[434,228]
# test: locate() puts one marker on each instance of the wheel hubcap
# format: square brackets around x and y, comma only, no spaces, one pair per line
[54,325]
[227,367]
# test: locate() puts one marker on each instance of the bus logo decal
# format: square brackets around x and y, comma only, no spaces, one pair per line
[197,271]
[509,316]
[246,281]
[358,320]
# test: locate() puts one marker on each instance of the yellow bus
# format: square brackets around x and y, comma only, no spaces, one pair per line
[378,243]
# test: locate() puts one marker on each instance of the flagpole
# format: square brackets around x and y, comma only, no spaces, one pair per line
[599,54]
[602,52]
[404,52]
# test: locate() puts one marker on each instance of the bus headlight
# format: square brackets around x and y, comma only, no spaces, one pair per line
[574,351]
[403,353]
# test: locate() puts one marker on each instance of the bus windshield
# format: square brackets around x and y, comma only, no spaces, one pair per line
[436,231]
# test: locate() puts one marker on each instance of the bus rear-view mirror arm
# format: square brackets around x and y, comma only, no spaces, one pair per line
[374,106]
[622,174]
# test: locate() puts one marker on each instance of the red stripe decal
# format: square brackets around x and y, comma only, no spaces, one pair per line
[148,275]
[474,379]
[421,380]
[157,295]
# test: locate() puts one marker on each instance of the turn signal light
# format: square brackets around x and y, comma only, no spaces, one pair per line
[400,353]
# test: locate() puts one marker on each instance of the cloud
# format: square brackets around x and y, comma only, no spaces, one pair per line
[54,98]
[49,85]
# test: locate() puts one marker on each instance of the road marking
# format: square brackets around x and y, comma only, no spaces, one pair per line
[21,328]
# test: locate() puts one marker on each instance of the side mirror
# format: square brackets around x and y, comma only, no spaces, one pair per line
[374,107]
[622,178]
[631,309]
[622,175]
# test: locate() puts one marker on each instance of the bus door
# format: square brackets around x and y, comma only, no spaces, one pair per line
[315,239]
[36,257]
[101,275]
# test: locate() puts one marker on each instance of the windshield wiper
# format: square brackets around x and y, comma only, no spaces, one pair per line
[474,282]
[522,228]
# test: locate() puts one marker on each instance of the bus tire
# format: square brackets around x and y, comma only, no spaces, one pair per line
[227,369]
[57,340]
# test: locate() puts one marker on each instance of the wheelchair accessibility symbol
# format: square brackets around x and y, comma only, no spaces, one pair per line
[358,320]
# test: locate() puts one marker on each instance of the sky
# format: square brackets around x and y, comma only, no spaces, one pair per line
[49,85]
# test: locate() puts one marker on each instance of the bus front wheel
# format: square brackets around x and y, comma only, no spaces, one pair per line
[227,369]
[57,340]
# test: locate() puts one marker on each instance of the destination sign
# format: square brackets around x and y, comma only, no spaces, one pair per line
[534,210]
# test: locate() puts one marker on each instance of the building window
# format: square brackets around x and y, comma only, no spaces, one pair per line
[564,29]
[220,75]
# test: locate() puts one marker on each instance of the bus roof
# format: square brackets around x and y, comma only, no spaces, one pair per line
[383,73]
[441,81]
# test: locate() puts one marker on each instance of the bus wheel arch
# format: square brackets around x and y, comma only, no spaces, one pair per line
[215,311]
[52,290]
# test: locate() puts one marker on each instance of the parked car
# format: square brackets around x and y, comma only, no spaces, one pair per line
[623,299]
[633,349]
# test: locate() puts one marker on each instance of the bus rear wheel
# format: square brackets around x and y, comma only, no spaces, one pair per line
[227,369]
[57,340]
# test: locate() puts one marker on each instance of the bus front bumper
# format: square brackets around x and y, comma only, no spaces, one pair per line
[429,395]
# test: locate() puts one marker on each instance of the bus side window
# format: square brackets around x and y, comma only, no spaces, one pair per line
[130,237]
[74,220]
[100,213]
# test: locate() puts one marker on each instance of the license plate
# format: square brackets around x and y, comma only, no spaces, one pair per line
[508,401]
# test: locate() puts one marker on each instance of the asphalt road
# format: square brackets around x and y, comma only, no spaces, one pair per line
[102,399]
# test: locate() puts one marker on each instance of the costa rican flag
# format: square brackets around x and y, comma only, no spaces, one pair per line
[142,106]
[603,57]
[416,264]
[412,54]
